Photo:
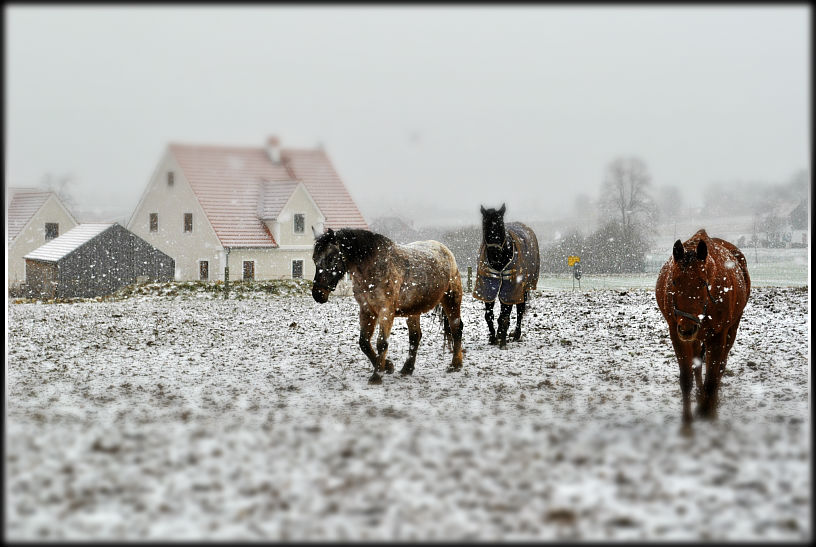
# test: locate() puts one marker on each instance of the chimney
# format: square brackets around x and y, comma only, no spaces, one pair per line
[273,148]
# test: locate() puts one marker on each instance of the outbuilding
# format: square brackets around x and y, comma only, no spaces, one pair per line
[94,260]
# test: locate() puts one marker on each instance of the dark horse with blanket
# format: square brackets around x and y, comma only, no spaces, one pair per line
[701,292]
[391,280]
[507,269]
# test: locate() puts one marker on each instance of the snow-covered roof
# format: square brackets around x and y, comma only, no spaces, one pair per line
[24,204]
[231,182]
[68,242]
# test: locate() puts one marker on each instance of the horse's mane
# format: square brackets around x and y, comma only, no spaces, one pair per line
[358,245]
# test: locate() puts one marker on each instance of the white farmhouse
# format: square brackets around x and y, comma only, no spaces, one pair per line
[251,208]
[33,218]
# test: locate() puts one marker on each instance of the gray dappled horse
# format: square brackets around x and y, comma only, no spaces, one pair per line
[391,280]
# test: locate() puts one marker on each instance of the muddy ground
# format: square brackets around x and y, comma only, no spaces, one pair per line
[193,417]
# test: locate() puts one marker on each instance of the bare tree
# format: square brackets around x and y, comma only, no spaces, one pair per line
[626,193]
[670,202]
[63,186]
[583,209]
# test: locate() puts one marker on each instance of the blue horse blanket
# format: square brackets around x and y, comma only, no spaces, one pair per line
[518,276]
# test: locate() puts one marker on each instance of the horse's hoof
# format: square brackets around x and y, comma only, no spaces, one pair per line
[686,430]
[492,341]
[375,379]
[503,345]
[407,371]
[389,366]
[452,368]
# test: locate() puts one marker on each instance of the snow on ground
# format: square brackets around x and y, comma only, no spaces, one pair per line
[191,418]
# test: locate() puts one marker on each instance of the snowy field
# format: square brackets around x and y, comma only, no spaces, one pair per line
[195,417]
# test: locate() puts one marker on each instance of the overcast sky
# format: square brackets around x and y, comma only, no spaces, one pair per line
[426,112]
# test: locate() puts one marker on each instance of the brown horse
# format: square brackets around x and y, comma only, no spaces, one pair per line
[391,280]
[702,291]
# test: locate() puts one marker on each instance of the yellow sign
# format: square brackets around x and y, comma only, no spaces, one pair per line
[572,260]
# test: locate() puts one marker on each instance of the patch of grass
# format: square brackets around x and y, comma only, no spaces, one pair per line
[210,289]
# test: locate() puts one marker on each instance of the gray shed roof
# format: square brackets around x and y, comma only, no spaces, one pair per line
[68,242]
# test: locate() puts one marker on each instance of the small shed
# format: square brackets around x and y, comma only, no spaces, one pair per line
[94,260]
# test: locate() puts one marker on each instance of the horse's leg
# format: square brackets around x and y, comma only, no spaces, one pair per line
[452,307]
[504,323]
[685,353]
[368,323]
[414,336]
[716,357]
[386,320]
[729,341]
[519,314]
[489,318]
[698,370]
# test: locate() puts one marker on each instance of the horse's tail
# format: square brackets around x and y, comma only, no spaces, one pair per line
[446,330]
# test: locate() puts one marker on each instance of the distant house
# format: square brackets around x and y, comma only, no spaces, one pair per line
[33,218]
[799,216]
[250,207]
[786,224]
[395,228]
[94,260]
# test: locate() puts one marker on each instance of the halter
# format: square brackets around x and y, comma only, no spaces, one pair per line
[693,317]
[504,273]
[499,245]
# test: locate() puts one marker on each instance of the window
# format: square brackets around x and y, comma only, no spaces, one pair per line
[203,270]
[170,178]
[300,223]
[51,230]
[249,269]
[188,222]
[154,222]
[297,269]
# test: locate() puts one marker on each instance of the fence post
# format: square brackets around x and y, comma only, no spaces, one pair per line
[470,273]
[226,273]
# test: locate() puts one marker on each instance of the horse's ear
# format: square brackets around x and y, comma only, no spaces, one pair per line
[702,250]
[484,211]
[678,251]
[502,209]
[331,233]
[315,232]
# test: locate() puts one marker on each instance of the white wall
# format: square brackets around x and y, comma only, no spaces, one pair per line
[299,202]
[171,202]
[269,263]
[202,244]
[33,236]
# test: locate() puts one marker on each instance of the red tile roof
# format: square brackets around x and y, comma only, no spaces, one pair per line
[235,186]
[273,197]
[314,168]
[24,204]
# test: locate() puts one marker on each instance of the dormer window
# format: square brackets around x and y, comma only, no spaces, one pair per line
[170,178]
[300,223]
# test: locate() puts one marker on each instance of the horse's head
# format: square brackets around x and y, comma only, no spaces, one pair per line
[688,286]
[330,266]
[493,225]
